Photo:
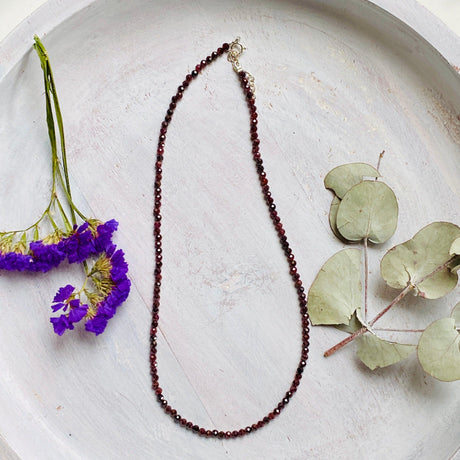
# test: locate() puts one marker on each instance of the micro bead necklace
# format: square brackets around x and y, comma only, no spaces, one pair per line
[233,50]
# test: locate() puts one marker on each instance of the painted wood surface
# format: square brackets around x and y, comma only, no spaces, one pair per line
[334,85]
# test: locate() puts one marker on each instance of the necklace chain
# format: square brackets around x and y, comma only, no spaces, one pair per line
[234,50]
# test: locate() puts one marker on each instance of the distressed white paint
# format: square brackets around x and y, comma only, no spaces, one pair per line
[334,85]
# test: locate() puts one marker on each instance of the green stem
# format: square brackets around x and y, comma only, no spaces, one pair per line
[50,89]
[67,224]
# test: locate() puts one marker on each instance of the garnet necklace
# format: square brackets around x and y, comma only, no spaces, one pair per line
[234,50]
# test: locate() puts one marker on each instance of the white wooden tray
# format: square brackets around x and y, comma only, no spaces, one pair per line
[334,84]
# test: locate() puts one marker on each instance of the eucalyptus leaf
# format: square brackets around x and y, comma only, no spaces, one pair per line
[415,261]
[336,291]
[375,352]
[355,323]
[455,247]
[368,210]
[333,218]
[439,350]
[343,177]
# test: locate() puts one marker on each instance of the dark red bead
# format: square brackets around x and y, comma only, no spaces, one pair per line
[246,86]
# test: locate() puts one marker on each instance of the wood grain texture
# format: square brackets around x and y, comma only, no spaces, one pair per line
[333,85]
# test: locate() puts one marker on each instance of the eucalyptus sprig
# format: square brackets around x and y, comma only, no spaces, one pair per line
[69,236]
[363,210]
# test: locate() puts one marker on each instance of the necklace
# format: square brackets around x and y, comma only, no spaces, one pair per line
[233,50]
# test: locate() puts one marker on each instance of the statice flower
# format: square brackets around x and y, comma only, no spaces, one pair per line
[112,289]
[14,261]
[66,301]
[106,285]
[46,254]
[13,256]
[80,244]
[108,276]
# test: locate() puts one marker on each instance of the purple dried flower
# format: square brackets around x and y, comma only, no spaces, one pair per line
[121,285]
[14,261]
[96,325]
[104,235]
[45,256]
[63,293]
[61,324]
[76,312]
[79,245]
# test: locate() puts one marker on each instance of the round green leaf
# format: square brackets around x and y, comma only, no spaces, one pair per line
[356,322]
[411,261]
[455,247]
[343,177]
[368,210]
[333,218]
[336,291]
[375,352]
[439,350]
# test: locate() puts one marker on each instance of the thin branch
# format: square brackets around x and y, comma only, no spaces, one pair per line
[379,161]
[366,276]
[397,299]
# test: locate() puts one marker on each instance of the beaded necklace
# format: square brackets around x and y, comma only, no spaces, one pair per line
[233,50]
